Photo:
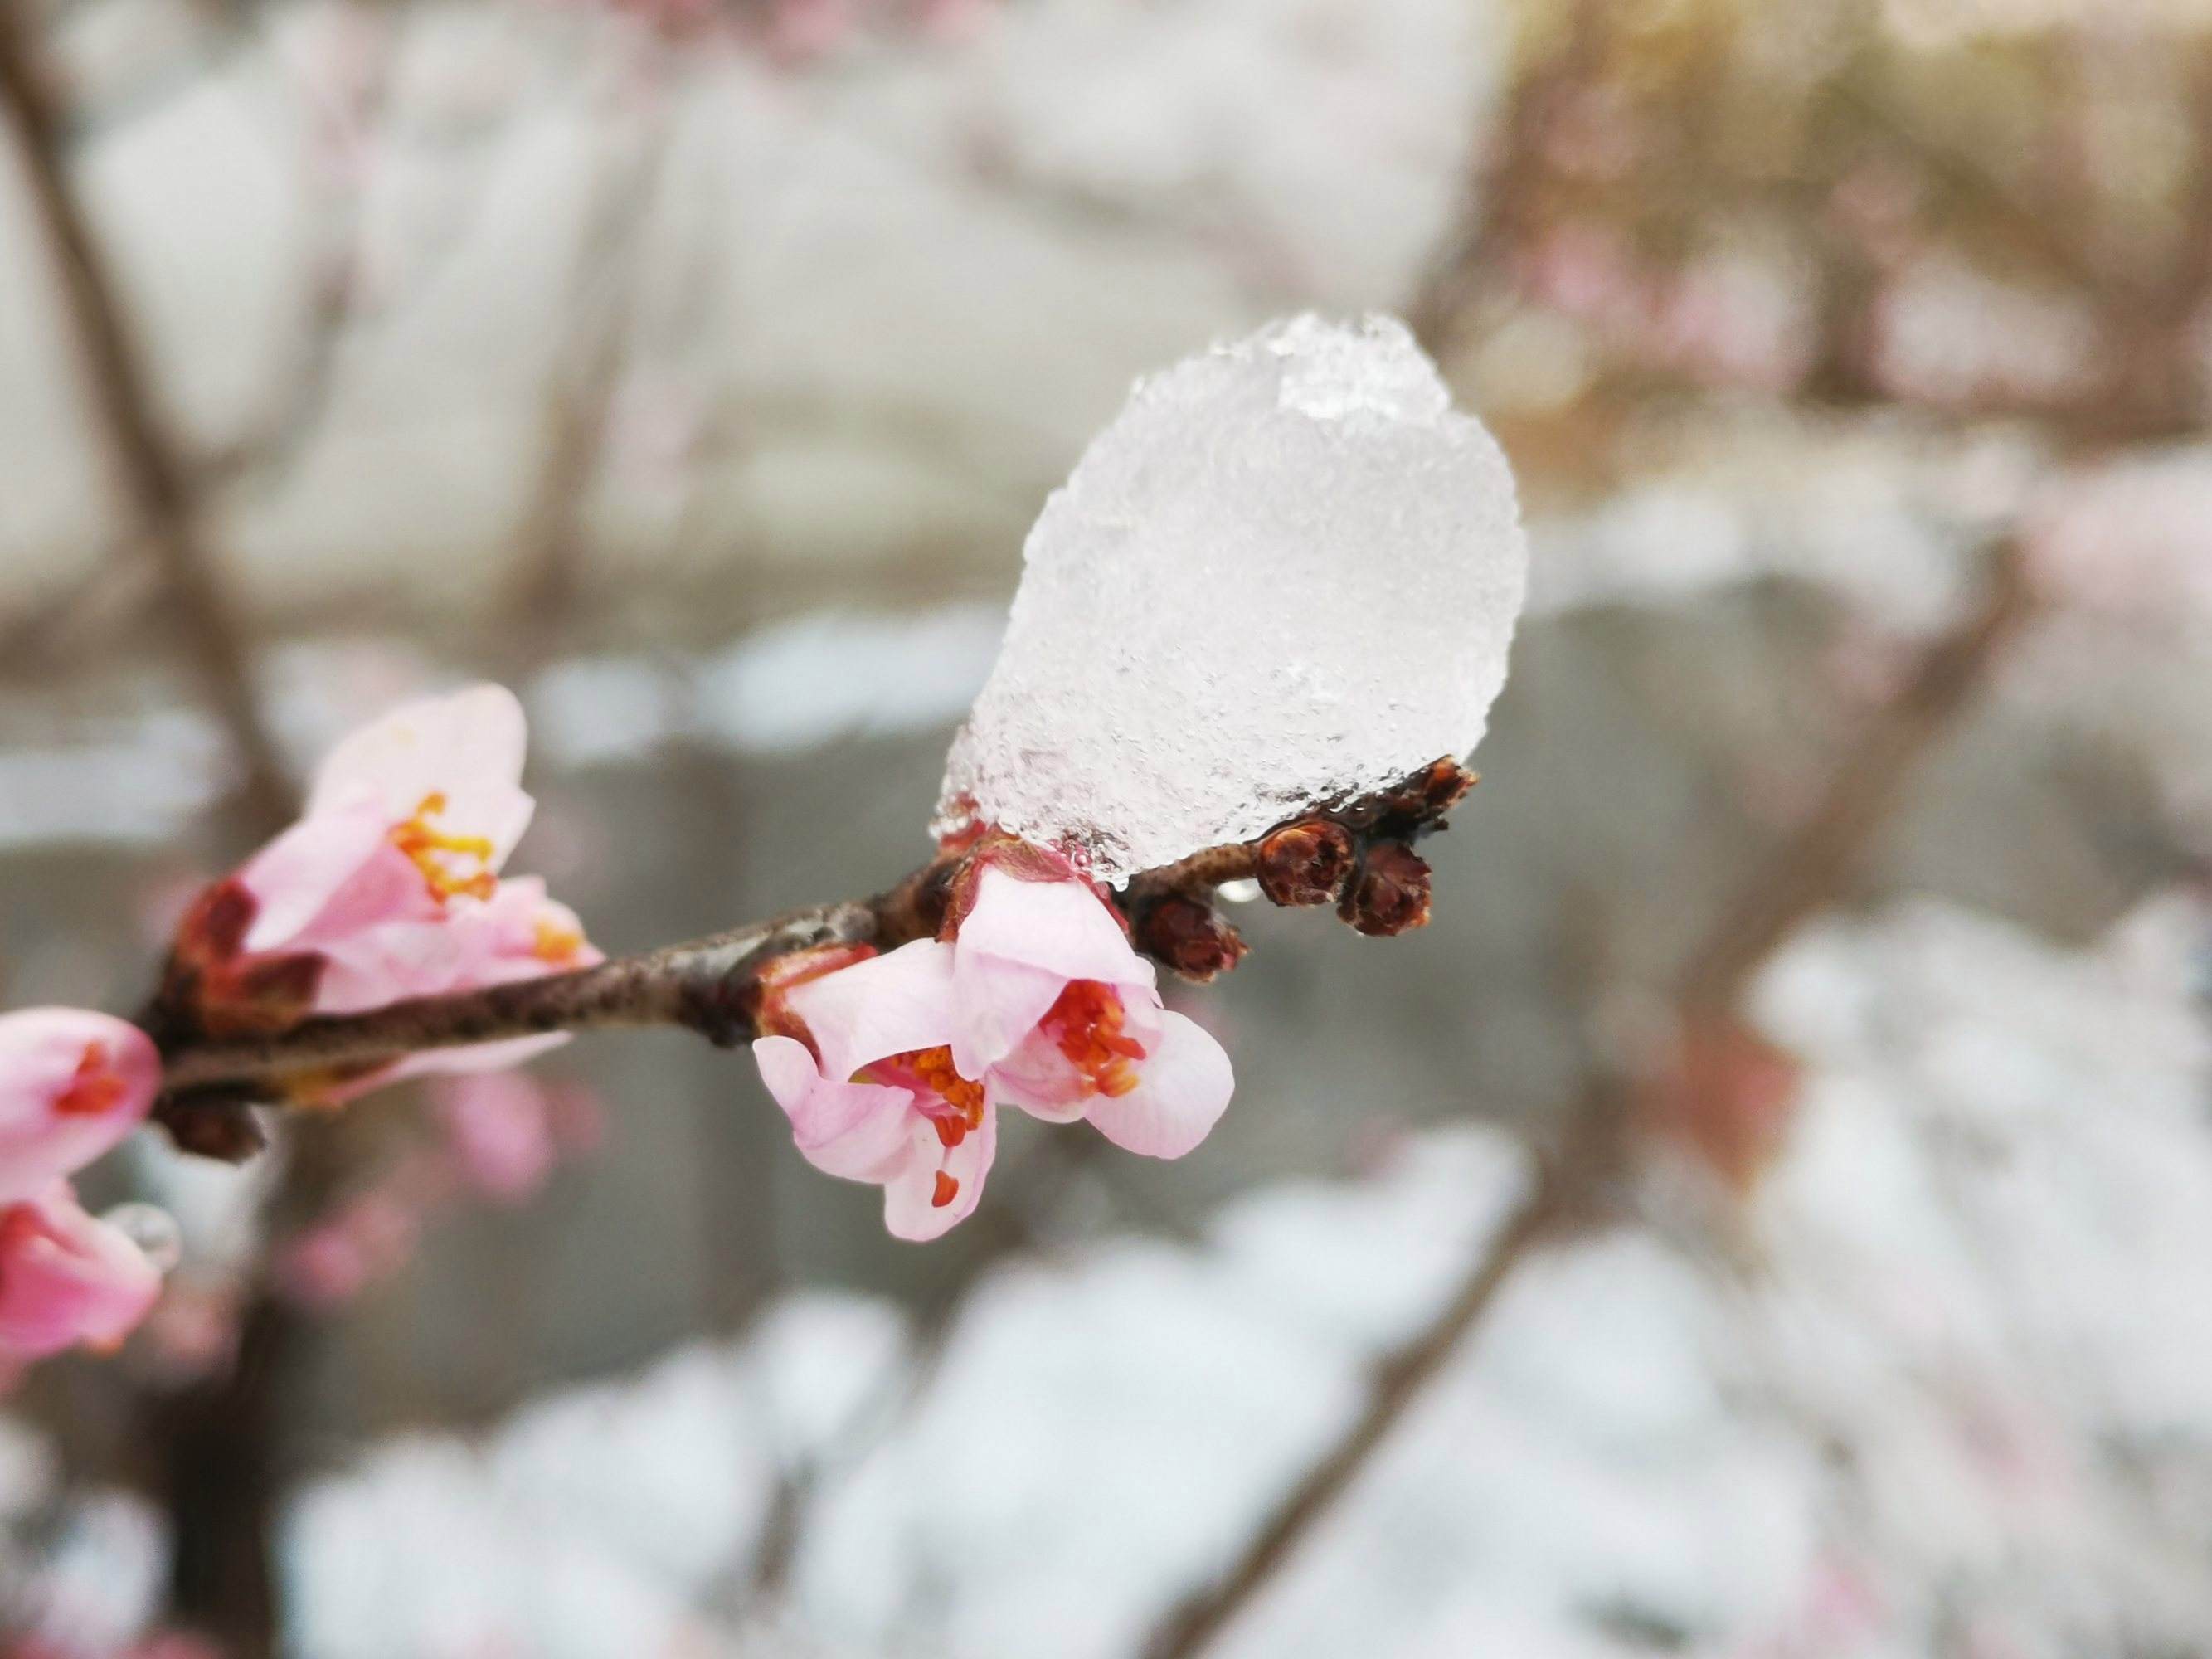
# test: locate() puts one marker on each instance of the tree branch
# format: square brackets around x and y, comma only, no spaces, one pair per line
[711,986]
[154,480]
[1809,875]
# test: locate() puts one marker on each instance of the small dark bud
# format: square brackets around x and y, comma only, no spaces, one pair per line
[1418,805]
[262,994]
[1442,788]
[1306,863]
[1193,938]
[215,928]
[1390,894]
[223,1129]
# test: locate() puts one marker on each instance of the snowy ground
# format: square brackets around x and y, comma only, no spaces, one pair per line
[1942,1390]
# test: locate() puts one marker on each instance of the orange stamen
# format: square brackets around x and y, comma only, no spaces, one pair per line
[1085,1025]
[558,944]
[933,1069]
[433,851]
[948,1188]
[96,1086]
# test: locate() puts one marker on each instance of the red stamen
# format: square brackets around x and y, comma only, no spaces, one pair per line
[1086,1025]
[948,1188]
[96,1086]
[933,1071]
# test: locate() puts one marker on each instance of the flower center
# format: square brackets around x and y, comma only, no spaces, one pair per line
[953,1105]
[444,859]
[1085,1025]
[96,1086]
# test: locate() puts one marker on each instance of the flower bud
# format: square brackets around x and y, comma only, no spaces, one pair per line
[1191,937]
[1390,894]
[1306,863]
[226,1130]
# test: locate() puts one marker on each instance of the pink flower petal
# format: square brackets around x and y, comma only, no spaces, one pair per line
[995,1004]
[1041,1080]
[467,746]
[888,1005]
[856,1131]
[67,1278]
[296,879]
[911,1210]
[500,1130]
[72,1084]
[1183,1087]
[1061,926]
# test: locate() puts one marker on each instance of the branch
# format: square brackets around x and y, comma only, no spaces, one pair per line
[154,477]
[1809,875]
[549,553]
[1358,855]
[1563,1195]
[701,985]
[1811,869]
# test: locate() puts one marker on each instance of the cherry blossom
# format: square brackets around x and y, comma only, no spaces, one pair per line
[388,887]
[1062,1018]
[72,1084]
[67,1276]
[892,1069]
[873,1093]
[502,1132]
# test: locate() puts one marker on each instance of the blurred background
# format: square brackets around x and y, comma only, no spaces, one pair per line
[1766,1214]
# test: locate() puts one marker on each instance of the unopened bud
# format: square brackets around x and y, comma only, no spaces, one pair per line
[1390,894]
[1306,863]
[223,1129]
[1193,938]
[1440,788]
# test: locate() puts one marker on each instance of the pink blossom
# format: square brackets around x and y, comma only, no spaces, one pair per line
[892,1069]
[407,815]
[1061,1016]
[500,1128]
[365,1240]
[67,1278]
[388,887]
[872,1094]
[72,1084]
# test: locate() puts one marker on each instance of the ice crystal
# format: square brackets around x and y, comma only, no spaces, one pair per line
[1287,574]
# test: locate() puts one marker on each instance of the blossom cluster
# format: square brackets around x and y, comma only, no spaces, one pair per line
[892,1067]
[72,1084]
[388,886]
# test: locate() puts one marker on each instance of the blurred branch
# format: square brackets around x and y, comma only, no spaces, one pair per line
[309,380]
[39,636]
[1565,1195]
[1809,875]
[550,547]
[154,480]
[1811,869]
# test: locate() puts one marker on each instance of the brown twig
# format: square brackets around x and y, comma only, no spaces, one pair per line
[709,985]
[549,548]
[1810,874]
[1810,870]
[154,479]
[1565,1194]
[701,984]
